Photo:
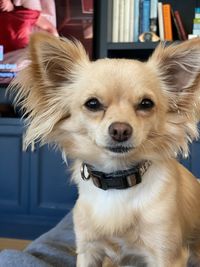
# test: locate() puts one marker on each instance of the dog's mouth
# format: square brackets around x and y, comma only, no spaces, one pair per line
[119,149]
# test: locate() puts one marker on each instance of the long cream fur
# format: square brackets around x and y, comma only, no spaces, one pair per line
[156,223]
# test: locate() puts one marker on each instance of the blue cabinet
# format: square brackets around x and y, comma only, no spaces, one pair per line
[13,168]
[35,187]
[51,188]
[193,161]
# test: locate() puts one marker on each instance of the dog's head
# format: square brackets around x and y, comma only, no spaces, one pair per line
[110,110]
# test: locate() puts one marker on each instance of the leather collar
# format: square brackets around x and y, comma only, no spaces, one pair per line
[116,180]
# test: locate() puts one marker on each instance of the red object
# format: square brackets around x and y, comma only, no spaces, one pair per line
[180,25]
[16,27]
[87,6]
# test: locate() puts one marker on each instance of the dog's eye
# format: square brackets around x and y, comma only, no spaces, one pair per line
[93,104]
[145,104]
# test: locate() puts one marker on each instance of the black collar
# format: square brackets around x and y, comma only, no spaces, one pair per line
[115,180]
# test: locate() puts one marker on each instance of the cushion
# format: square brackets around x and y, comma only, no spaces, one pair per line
[55,248]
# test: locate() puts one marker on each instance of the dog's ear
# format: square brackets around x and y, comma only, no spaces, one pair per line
[178,67]
[178,70]
[42,86]
[54,60]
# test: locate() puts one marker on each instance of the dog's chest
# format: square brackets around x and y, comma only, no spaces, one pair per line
[122,222]
[116,210]
[127,252]
[123,236]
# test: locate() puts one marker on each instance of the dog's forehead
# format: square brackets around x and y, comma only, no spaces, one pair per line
[120,76]
[117,67]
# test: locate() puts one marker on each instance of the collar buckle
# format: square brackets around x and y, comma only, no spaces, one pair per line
[84,172]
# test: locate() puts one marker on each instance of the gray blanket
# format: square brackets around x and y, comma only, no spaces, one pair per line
[55,248]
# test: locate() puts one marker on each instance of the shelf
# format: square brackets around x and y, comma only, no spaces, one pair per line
[137,45]
[136,50]
[131,46]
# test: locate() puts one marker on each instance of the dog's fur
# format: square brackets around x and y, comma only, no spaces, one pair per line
[157,222]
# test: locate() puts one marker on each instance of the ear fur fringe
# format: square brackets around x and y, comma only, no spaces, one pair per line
[38,95]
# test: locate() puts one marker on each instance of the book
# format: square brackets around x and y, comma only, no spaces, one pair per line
[121,20]
[153,15]
[181,28]
[196,23]
[146,16]
[167,22]
[196,26]
[176,25]
[131,24]
[191,36]
[127,4]
[197,12]
[140,17]
[160,21]
[136,21]
[110,21]
[87,6]
[115,21]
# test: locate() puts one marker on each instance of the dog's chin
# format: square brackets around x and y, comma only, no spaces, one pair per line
[119,150]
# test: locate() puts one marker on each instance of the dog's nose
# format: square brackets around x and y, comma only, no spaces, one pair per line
[120,131]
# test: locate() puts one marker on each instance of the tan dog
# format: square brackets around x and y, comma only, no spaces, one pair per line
[126,121]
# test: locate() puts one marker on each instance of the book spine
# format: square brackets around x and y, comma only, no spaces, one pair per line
[191,36]
[1,52]
[141,16]
[115,21]
[153,15]
[160,21]
[121,20]
[127,4]
[136,20]
[110,21]
[180,25]
[146,16]
[131,26]
[197,12]
[196,26]
[176,25]
[167,22]
[196,21]
[196,32]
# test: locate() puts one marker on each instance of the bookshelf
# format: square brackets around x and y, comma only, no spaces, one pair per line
[135,50]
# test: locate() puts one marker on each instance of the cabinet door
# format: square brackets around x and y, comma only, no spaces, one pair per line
[192,163]
[195,159]
[52,192]
[13,168]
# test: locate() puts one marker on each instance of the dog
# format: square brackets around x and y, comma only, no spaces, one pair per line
[124,123]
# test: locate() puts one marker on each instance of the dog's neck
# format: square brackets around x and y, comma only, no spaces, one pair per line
[121,179]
